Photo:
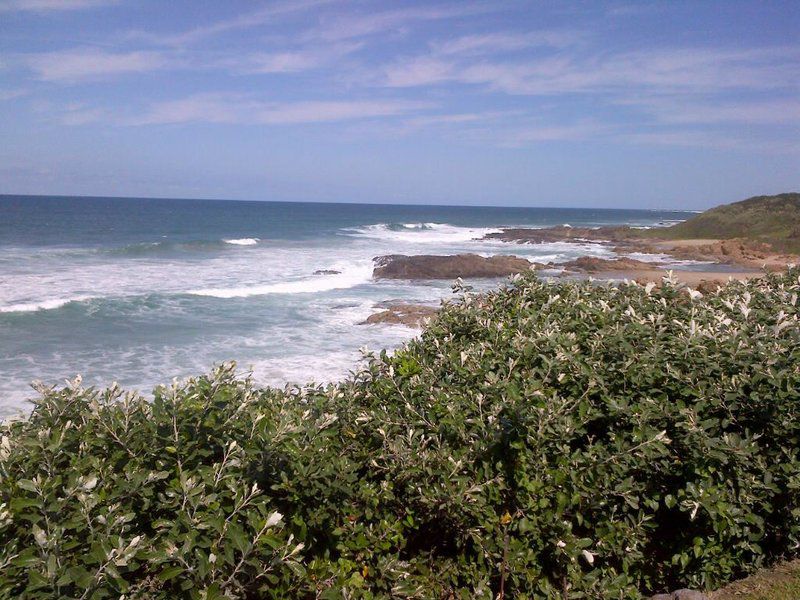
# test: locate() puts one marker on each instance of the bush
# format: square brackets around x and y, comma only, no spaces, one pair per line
[545,440]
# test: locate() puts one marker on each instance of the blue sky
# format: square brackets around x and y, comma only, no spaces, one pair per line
[618,104]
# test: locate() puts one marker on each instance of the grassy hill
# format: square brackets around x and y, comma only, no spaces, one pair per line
[771,219]
[541,441]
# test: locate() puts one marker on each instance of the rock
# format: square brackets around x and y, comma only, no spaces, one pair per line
[683,594]
[398,266]
[326,272]
[592,264]
[411,315]
[561,234]
[689,595]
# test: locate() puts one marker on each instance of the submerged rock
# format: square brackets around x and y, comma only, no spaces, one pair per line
[411,315]
[327,272]
[424,266]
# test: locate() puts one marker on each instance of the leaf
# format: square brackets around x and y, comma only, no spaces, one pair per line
[170,573]
[27,484]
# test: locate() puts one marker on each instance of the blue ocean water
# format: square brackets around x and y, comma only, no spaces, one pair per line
[139,291]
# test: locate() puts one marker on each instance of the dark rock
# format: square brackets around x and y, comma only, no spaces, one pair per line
[592,264]
[411,315]
[326,272]
[448,267]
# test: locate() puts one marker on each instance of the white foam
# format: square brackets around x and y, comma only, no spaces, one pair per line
[48,304]
[243,241]
[350,277]
[422,233]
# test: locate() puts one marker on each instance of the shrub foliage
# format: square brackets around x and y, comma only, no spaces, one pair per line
[545,440]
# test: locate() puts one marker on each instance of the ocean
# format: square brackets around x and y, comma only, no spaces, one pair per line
[140,291]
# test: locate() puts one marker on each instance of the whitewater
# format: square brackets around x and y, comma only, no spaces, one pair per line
[140,291]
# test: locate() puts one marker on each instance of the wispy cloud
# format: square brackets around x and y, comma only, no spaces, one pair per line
[457,118]
[421,70]
[82,64]
[500,42]
[291,61]
[698,70]
[262,16]
[238,109]
[13,93]
[356,25]
[50,5]
[80,113]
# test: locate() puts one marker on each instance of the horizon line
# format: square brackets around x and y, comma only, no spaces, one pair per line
[356,203]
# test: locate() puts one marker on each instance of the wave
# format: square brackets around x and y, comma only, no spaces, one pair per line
[420,233]
[320,283]
[243,241]
[49,304]
[170,247]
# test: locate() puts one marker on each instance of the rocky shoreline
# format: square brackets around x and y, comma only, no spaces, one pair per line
[725,259]
[739,252]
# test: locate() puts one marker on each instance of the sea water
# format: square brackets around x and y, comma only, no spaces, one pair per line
[140,291]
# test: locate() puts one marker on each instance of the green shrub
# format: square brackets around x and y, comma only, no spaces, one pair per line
[545,440]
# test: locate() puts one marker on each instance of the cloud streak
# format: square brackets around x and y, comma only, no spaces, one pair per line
[369,23]
[689,70]
[51,5]
[243,110]
[82,64]
[502,42]
[263,16]
[292,61]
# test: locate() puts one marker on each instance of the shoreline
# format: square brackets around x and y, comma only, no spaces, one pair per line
[734,258]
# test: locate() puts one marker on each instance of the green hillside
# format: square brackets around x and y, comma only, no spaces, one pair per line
[771,219]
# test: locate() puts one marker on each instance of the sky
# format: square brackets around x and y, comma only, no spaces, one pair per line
[679,104]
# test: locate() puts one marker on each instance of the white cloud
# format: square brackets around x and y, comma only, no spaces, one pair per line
[236,109]
[371,22]
[82,64]
[422,70]
[498,42]
[292,61]
[50,5]
[700,70]
[262,16]
[457,118]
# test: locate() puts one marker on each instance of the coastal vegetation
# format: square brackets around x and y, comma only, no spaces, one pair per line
[564,440]
[774,220]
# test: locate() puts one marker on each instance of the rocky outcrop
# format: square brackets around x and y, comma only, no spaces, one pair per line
[742,252]
[561,234]
[467,266]
[736,251]
[410,315]
[681,595]
[592,264]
